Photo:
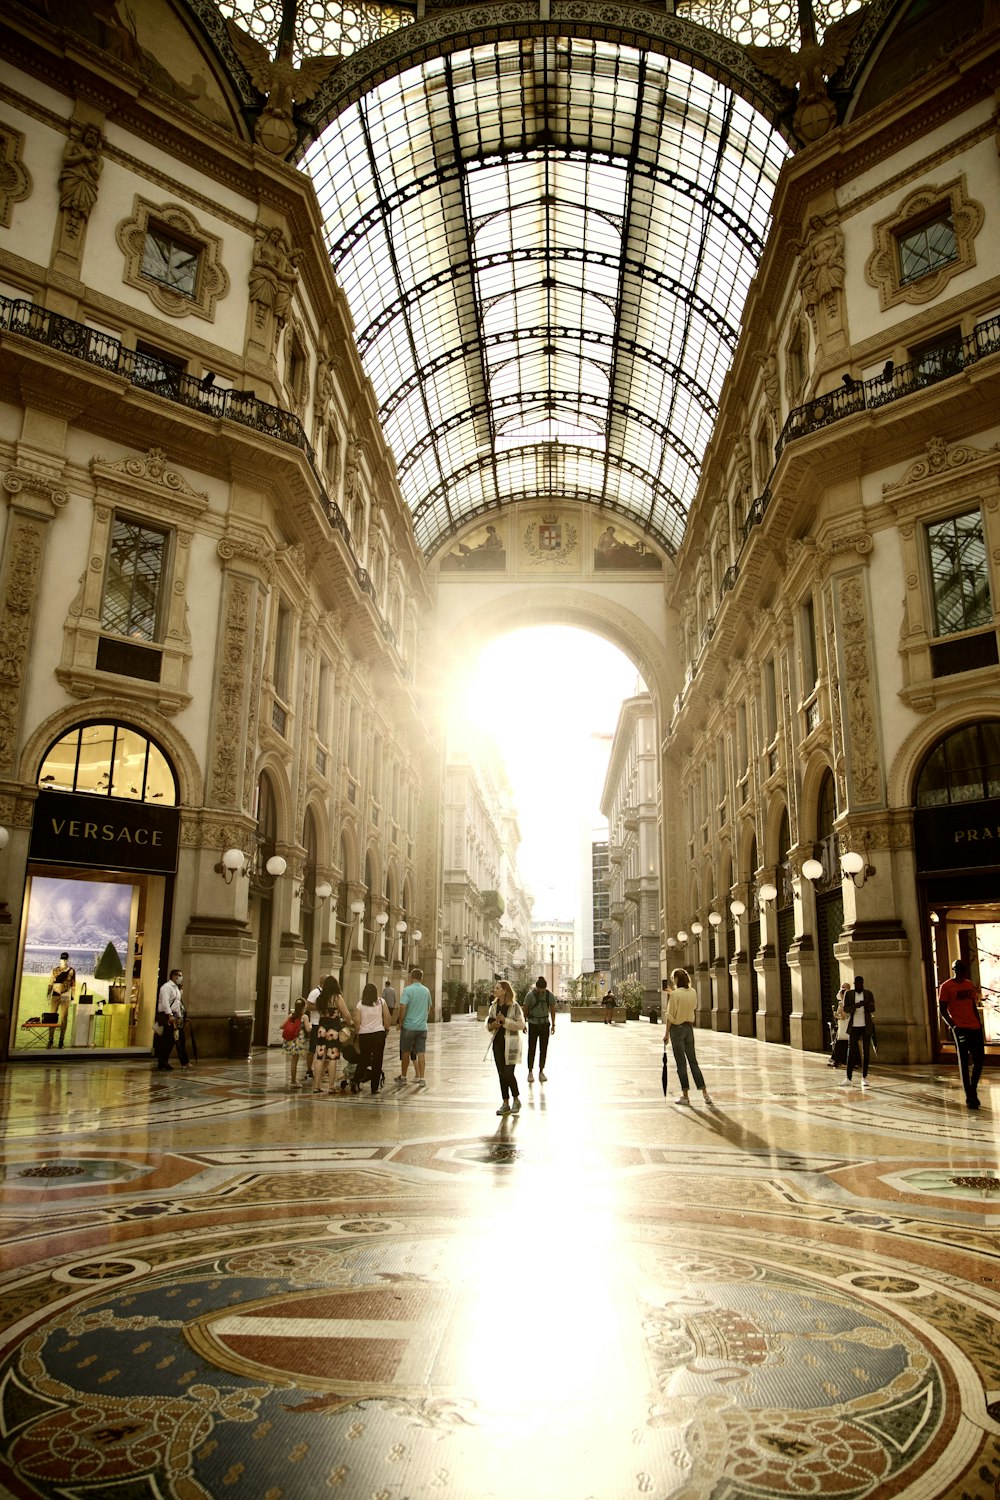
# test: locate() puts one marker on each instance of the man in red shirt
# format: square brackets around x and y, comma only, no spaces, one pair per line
[958,999]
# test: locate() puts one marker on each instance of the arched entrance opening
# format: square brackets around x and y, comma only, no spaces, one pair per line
[829,896]
[786,925]
[262,892]
[957,850]
[308,903]
[95,929]
[552,754]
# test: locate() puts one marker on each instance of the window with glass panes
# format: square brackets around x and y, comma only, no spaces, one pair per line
[170,261]
[132,591]
[926,247]
[959,573]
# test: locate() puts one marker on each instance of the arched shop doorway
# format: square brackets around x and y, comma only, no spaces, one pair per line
[99,887]
[262,901]
[957,847]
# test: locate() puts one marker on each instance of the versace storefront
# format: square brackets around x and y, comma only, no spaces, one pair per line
[97,899]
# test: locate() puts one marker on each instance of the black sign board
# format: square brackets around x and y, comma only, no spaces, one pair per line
[963,836]
[104,833]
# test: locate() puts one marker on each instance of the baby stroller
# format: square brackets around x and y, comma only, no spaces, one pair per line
[350,1057]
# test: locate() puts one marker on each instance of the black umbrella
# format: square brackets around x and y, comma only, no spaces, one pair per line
[663,1075]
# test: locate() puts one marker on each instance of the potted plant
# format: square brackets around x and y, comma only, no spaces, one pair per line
[630,996]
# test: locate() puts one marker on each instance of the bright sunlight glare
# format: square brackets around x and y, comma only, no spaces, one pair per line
[549,698]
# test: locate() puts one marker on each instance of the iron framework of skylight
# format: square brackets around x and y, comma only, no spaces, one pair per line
[547,245]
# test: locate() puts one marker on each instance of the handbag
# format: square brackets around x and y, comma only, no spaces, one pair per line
[291,1028]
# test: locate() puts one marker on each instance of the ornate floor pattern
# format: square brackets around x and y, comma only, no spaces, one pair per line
[214,1287]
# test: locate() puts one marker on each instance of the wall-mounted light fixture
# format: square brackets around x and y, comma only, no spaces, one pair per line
[273,870]
[767,893]
[697,928]
[813,869]
[737,908]
[854,864]
[232,863]
[400,933]
[715,918]
[4,838]
[682,936]
[671,942]
[378,928]
[312,900]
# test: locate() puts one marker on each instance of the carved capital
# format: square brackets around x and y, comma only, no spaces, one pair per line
[24,481]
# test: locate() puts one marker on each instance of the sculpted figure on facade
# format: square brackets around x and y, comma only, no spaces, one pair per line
[283,84]
[772,384]
[274,274]
[80,175]
[807,71]
[822,273]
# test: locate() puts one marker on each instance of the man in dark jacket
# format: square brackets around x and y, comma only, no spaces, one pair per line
[539,1009]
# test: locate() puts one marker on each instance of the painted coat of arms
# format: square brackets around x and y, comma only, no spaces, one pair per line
[550,539]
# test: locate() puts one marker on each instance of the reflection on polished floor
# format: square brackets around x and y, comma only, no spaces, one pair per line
[213,1287]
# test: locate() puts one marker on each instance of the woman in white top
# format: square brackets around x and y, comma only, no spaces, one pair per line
[681,1009]
[372,1019]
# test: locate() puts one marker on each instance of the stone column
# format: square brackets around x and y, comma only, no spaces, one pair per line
[807,1024]
[742,1021]
[768,1018]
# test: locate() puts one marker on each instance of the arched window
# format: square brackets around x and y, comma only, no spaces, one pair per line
[826,807]
[110,760]
[963,767]
[267,825]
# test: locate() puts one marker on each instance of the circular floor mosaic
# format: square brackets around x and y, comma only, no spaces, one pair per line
[269,1371]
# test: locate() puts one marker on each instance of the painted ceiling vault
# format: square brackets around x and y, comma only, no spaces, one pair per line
[546,243]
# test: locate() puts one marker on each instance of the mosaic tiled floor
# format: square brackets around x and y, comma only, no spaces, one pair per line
[213,1287]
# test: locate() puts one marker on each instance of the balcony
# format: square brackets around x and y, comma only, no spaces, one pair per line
[618,912]
[146,372]
[633,890]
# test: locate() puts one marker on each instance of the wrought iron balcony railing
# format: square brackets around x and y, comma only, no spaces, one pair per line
[146,372]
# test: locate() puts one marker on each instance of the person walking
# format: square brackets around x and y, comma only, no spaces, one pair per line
[840,1029]
[610,1001]
[859,1004]
[505,1023]
[372,1020]
[959,1000]
[539,1011]
[389,996]
[679,1027]
[412,1017]
[333,1014]
[311,1023]
[294,1041]
[169,1027]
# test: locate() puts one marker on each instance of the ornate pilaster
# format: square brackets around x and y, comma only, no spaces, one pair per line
[246,578]
[34,498]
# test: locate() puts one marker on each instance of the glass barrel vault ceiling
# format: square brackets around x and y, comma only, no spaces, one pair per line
[546,245]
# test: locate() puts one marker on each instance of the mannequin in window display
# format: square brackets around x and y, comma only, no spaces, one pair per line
[61,992]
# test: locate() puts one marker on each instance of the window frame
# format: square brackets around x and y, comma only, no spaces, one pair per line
[932,524]
[121,516]
[166,232]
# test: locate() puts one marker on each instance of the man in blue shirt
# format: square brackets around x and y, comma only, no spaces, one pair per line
[414,1012]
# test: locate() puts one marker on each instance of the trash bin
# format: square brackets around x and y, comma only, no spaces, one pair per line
[653,1017]
[240,1033]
